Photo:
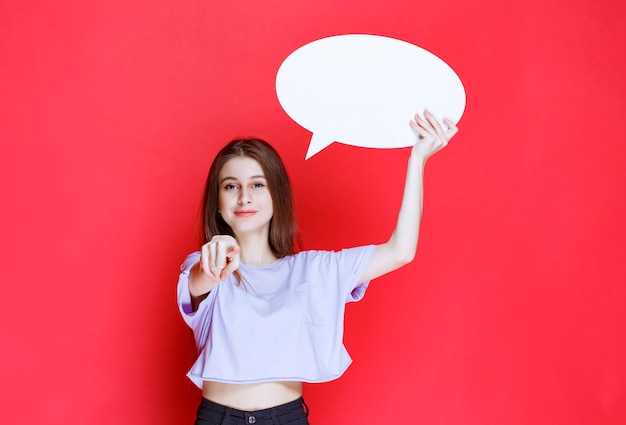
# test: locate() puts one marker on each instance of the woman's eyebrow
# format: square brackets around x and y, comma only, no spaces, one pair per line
[227,178]
[259,176]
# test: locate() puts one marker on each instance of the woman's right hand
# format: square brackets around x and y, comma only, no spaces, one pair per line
[219,257]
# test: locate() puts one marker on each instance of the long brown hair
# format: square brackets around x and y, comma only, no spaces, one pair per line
[284,238]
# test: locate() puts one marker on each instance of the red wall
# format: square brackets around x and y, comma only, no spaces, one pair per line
[513,311]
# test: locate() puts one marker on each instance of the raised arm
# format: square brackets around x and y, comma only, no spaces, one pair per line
[401,246]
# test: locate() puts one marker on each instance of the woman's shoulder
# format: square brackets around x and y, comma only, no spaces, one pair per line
[310,254]
[313,255]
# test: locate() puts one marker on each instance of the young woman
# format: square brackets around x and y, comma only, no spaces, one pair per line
[267,318]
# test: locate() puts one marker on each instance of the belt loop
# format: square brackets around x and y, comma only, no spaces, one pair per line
[306,408]
[226,417]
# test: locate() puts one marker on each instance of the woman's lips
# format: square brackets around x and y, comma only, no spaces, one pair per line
[245,213]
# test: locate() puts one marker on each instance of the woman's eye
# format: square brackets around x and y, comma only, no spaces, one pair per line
[258,185]
[230,187]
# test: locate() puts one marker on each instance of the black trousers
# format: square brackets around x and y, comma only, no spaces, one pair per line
[292,413]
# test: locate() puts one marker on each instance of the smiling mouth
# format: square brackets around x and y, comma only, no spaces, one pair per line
[245,213]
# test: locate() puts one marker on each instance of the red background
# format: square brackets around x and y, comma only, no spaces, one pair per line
[512,312]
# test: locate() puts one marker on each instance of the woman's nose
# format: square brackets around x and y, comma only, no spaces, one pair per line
[244,196]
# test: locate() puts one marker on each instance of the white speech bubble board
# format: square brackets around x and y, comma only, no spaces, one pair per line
[362,90]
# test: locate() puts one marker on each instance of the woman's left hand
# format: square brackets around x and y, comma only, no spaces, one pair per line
[431,136]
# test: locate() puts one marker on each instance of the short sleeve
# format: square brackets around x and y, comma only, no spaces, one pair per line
[346,267]
[359,258]
[184,297]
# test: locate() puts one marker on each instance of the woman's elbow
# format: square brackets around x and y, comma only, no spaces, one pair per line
[403,258]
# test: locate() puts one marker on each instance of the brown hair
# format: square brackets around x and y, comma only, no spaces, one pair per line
[283,236]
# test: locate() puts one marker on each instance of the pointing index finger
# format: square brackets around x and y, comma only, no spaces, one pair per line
[233,262]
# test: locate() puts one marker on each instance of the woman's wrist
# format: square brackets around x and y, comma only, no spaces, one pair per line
[417,161]
[199,282]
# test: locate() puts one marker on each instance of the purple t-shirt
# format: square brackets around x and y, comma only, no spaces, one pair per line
[284,322]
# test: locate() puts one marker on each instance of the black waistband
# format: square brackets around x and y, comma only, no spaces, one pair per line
[282,409]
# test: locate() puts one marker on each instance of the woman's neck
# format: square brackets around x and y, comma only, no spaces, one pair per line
[255,250]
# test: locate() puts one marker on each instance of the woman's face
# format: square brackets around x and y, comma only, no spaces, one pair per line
[245,202]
